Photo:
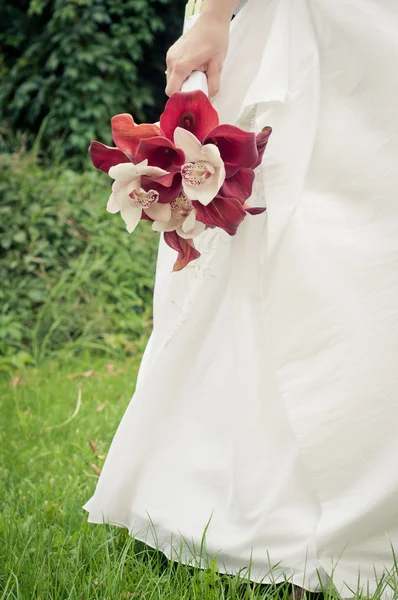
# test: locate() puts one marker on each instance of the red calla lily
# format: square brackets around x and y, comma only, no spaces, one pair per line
[238,186]
[237,147]
[166,193]
[190,110]
[254,210]
[227,213]
[261,142]
[162,153]
[104,157]
[127,134]
[185,248]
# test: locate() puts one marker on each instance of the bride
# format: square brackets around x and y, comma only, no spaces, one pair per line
[266,407]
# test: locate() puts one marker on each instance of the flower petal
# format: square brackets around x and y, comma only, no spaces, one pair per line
[144,169]
[261,142]
[144,217]
[189,144]
[127,134]
[207,192]
[171,225]
[185,248]
[254,210]
[131,215]
[104,157]
[153,172]
[124,172]
[113,205]
[166,193]
[237,147]
[221,176]
[238,186]
[189,222]
[160,152]
[226,213]
[195,232]
[204,193]
[192,111]
[211,154]
[122,190]
[159,212]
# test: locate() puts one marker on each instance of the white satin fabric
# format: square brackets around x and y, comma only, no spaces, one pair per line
[267,399]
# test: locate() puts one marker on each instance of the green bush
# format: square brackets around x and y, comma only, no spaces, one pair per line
[79,62]
[72,277]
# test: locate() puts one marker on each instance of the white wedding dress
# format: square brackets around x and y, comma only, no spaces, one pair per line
[267,400]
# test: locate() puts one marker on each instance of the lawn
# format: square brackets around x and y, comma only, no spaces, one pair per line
[57,424]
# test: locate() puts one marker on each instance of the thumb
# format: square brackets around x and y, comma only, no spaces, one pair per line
[213,77]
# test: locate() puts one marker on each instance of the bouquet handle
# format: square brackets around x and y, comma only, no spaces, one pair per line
[197,79]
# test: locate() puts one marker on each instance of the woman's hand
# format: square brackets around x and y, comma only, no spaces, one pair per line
[202,48]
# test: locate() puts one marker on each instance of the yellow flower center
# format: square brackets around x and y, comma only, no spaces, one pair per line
[182,205]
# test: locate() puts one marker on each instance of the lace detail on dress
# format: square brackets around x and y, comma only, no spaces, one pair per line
[197,271]
[247,121]
[248,117]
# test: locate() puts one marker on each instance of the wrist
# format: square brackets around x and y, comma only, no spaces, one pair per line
[215,17]
[221,11]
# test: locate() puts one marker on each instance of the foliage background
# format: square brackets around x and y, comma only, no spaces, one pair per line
[79,62]
[71,276]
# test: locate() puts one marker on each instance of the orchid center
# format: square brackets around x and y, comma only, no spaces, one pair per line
[196,173]
[186,121]
[182,205]
[142,199]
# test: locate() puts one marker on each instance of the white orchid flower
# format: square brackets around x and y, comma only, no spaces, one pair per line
[204,172]
[183,219]
[130,199]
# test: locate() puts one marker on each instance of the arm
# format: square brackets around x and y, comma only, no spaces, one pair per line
[221,9]
[202,48]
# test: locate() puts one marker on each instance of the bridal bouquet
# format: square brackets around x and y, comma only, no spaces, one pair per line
[185,174]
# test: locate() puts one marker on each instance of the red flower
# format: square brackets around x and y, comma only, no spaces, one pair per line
[227,213]
[185,248]
[190,110]
[261,142]
[162,153]
[238,186]
[254,210]
[237,147]
[104,157]
[166,193]
[127,134]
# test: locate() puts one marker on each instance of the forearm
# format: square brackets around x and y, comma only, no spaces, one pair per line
[219,9]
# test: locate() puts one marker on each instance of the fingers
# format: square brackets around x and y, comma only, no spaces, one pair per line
[178,73]
[175,79]
[213,78]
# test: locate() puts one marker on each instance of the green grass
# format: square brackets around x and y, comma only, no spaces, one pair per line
[48,467]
